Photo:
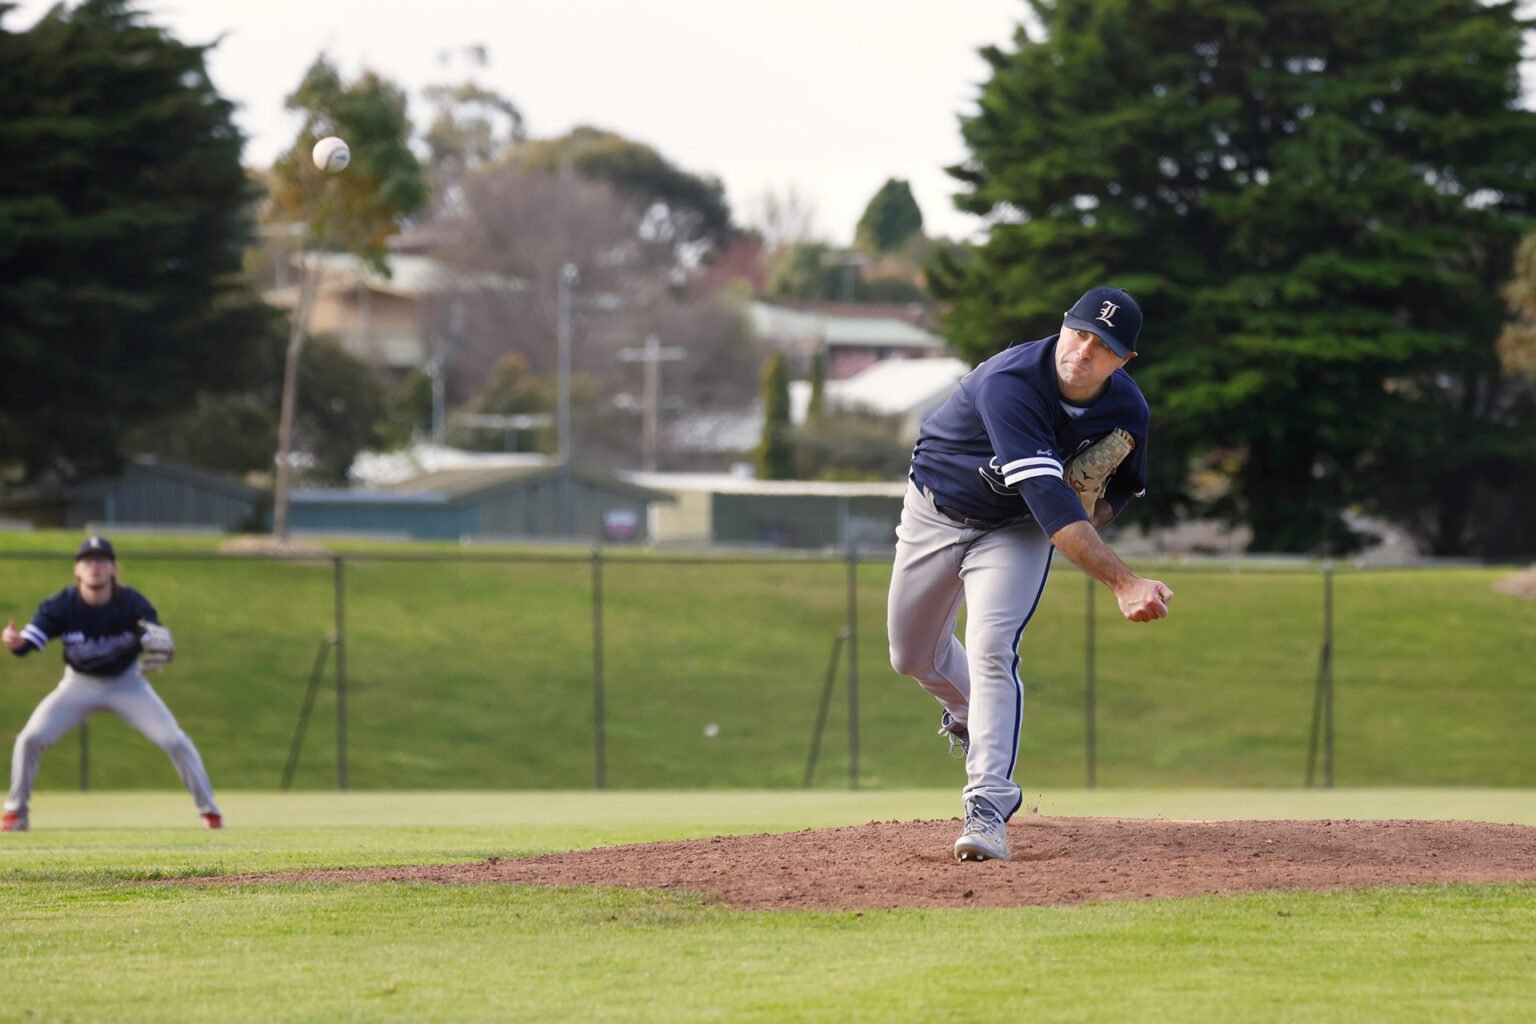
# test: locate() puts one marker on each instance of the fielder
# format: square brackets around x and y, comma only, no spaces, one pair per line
[111,636]
[1040,447]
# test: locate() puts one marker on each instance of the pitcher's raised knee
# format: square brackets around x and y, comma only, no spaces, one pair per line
[910,662]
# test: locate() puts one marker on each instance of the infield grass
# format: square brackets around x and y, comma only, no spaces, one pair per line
[89,938]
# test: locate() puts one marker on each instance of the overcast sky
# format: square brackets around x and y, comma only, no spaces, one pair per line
[829,97]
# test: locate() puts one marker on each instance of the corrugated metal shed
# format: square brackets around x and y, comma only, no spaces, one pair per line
[722,508]
[152,491]
[517,501]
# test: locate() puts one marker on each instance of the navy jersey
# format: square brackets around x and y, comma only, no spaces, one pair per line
[100,640]
[995,450]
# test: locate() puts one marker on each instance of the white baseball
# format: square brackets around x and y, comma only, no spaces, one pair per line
[331,154]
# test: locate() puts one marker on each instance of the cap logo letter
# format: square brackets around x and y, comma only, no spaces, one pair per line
[1109,309]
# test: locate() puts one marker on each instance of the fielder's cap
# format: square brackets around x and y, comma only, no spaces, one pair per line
[96,547]
[1110,313]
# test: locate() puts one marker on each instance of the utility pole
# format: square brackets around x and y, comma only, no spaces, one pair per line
[652,354]
[569,276]
[437,368]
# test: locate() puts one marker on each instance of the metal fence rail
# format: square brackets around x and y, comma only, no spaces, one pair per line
[329,672]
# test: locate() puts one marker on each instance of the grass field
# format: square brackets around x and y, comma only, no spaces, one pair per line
[89,938]
[482,675]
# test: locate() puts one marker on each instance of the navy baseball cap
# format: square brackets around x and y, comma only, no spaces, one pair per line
[1110,313]
[96,547]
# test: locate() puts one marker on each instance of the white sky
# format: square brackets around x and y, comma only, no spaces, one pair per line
[829,97]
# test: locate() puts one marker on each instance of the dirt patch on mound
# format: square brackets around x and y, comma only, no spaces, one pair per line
[1055,861]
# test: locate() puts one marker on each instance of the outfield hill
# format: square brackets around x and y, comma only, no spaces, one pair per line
[481,674]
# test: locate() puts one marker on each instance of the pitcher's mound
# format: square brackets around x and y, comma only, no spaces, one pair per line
[1055,861]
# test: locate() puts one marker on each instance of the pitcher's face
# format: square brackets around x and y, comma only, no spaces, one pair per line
[1084,363]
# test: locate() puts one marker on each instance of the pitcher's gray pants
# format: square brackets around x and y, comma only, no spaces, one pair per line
[131,698]
[999,576]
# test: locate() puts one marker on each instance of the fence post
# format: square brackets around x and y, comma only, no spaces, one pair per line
[853,664]
[824,707]
[1090,696]
[599,736]
[1322,697]
[338,566]
[1328,663]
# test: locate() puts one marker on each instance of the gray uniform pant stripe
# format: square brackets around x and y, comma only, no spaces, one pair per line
[131,698]
[999,576]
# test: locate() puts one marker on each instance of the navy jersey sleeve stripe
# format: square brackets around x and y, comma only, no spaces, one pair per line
[1013,479]
[1040,460]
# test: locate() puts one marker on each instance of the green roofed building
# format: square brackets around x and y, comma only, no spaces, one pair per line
[522,501]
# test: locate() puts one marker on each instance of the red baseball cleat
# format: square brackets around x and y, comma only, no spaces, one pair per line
[13,822]
[213,821]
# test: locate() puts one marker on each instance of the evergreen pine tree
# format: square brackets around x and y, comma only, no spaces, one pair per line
[123,216]
[775,453]
[1315,201]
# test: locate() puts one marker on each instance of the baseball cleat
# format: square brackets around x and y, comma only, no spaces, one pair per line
[213,821]
[958,734]
[985,835]
[13,821]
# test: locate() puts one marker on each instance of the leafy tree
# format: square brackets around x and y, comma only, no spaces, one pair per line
[518,227]
[679,207]
[775,452]
[851,446]
[411,406]
[122,220]
[472,124]
[890,220]
[359,209]
[356,211]
[513,390]
[343,409]
[1316,203]
[818,403]
[800,272]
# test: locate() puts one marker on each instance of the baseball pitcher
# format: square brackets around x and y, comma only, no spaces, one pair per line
[1038,448]
[111,636]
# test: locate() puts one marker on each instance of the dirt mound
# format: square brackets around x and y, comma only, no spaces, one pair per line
[1521,584]
[1055,861]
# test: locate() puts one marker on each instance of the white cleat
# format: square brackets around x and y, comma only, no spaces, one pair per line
[985,835]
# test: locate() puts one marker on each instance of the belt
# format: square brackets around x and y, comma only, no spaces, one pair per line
[971,521]
[962,519]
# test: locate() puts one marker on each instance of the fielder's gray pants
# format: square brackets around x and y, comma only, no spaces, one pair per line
[999,576]
[131,698]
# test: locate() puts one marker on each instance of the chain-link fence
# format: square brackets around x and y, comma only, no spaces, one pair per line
[573,669]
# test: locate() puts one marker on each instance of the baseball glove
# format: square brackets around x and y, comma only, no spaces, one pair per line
[1088,471]
[156,646]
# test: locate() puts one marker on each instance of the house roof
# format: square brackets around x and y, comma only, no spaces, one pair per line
[896,387]
[169,469]
[839,329]
[380,469]
[455,486]
[730,483]
[410,277]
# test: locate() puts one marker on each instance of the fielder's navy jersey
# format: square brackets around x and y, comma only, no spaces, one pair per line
[995,450]
[100,640]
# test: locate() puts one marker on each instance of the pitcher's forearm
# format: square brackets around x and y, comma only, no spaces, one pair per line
[1081,543]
